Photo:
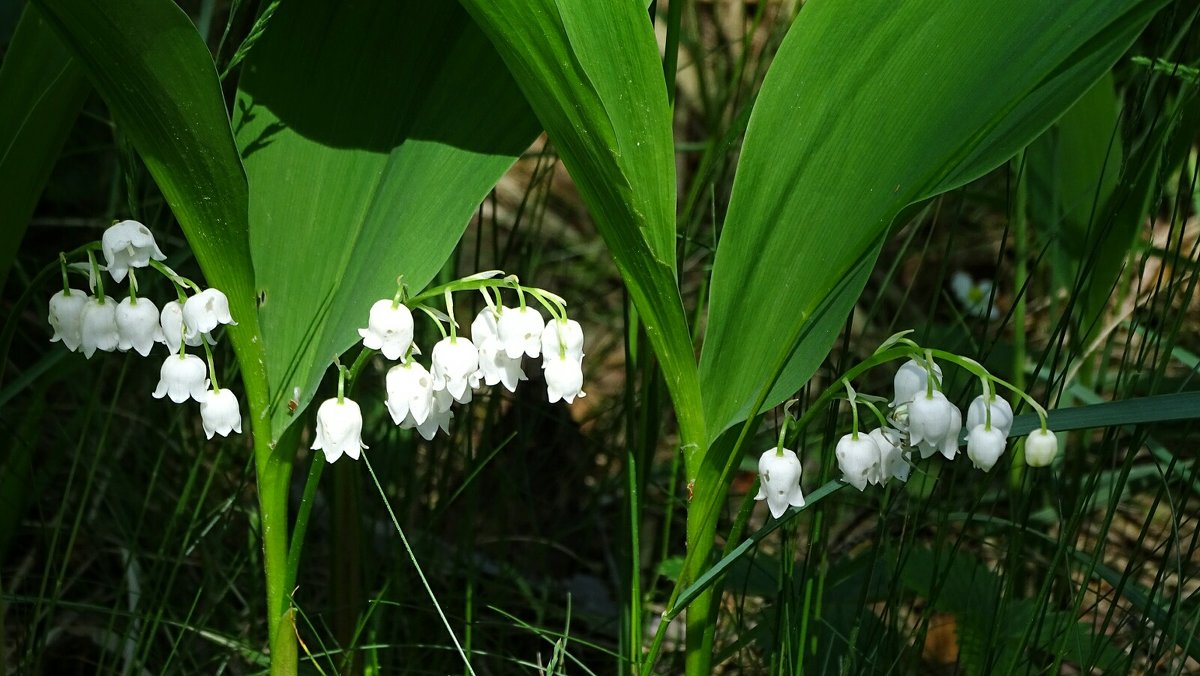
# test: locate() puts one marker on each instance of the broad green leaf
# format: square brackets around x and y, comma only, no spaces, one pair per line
[370,133]
[148,63]
[43,90]
[869,107]
[591,72]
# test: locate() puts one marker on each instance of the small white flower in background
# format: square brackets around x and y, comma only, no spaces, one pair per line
[182,376]
[564,377]
[455,367]
[520,330]
[949,443]
[1002,413]
[219,413]
[66,318]
[912,379]
[974,296]
[98,326]
[929,419]
[138,325]
[171,322]
[891,456]
[563,337]
[389,329]
[339,429]
[1040,448]
[409,392]
[205,310]
[438,419]
[985,445]
[128,244]
[779,481]
[859,460]
[495,366]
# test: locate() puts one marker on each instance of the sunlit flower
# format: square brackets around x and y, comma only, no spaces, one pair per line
[409,392]
[173,330]
[985,445]
[520,330]
[563,336]
[339,429]
[182,376]
[1002,413]
[564,378]
[128,244]
[892,463]
[858,458]
[66,318]
[205,310]
[389,329]
[438,419]
[495,366]
[219,413]
[1040,448]
[974,296]
[910,379]
[138,325]
[779,480]
[929,419]
[98,326]
[455,367]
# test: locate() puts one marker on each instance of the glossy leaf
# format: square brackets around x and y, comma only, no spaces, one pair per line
[370,132]
[869,107]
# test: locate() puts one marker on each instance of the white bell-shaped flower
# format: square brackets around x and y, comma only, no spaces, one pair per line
[985,445]
[949,443]
[219,413]
[409,392]
[520,330]
[455,367]
[170,320]
[1002,413]
[495,366]
[66,318]
[858,458]
[892,463]
[182,376]
[438,419]
[911,379]
[138,325]
[564,378]
[339,429]
[1040,448]
[205,310]
[779,480]
[128,244]
[98,326]
[389,329]
[928,421]
[563,336]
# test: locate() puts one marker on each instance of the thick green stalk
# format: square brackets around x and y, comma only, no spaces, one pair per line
[274,468]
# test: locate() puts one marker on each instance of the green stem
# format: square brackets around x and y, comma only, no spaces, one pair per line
[273,464]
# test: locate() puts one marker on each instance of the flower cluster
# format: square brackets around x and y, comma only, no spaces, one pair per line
[91,322]
[421,398]
[921,420]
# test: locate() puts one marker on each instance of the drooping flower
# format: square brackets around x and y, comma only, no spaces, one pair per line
[128,244]
[174,331]
[66,318]
[455,367]
[138,325]
[985,445]
[182,376]
[1040,448]
[563,336]
[892,463]
[779,480]
[438,419]
[389,329]
[520,330]
[564,378]
[98,326]
[205,310]
[339,429]
[495,366]
[1002,413]
[219,413]
[911,379]
[949,443]
[929,419]
[858,457]
[409,392]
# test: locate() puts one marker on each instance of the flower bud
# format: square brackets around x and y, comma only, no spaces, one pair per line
[66,318]
[339,429]
[389,329]
[858,458]
[1002,413]
[98,326]
[563,337]
[138,325]
[911,379]
[1040,448]
[128,244]
[564,378]
[182,376]
[779,476]
[929,419]
[985,446]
